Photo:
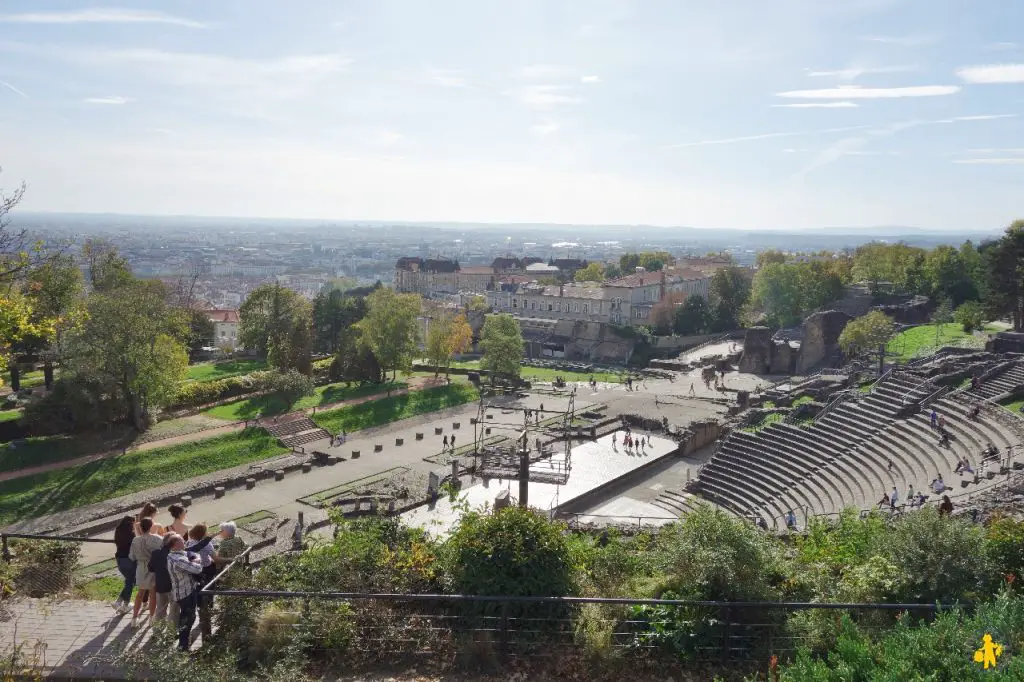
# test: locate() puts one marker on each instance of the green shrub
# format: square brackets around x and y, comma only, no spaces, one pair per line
[42,567]
[514,552]
[1004,539]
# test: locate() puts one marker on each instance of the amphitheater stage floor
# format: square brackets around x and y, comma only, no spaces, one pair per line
[594,464]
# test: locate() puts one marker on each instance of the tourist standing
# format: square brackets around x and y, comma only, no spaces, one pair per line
[178,525]
[453,442]
[934,418]
[946,508]
[148,512]
[141,550]
[444,443]
[183,571]
[166,607]
[790,520]
[230,544]
[894,498]
[123,536]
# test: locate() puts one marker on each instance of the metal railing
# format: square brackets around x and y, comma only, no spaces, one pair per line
[389,627]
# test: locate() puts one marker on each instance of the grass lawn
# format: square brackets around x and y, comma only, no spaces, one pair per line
[63,489]
[1014,406]
[545,374]
[386,410]
[768,419]
[10,415]
[211,371]
[269,405]
[802,400]
[102,589]
[32,452]
[32,379]
[920,341]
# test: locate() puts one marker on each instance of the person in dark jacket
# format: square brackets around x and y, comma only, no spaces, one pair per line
[123,536]
[166,608]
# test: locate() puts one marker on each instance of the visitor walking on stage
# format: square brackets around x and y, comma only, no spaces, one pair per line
[444,443]
[123,536]
[453,442]
[183,570]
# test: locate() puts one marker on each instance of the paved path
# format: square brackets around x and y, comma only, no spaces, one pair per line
[72,638]
[416,383]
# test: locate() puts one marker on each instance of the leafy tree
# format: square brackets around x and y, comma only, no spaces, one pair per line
[730,291]
[594,272]
[355,362]
[693,317]
[663,312]
[276,322]
[514,552]
[970,315]
[201,330]
[131,341]
[334,311]
[1003,265]
[54,290]
[899,264]
[291,386]
[612,270]
[948,276]
[770,257]
[866,334]
[629,262]
[108,269]
[391,328]
[778,291]
[502,343]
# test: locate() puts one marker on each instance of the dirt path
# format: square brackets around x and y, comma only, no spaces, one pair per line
[415,384]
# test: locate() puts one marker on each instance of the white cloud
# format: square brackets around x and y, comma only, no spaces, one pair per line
[98,15]
[543,97]
[817,105]
[902,41]
[992,73]
[1011,150]
[993,161]
[590,79]
[448,78]
[982,117]
[999,47]
[763,136]
[113,99]
[855,72]
[545,72]
[546,128]
[857,92]
[14,89]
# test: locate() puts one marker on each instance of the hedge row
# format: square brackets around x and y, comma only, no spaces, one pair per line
[196,393]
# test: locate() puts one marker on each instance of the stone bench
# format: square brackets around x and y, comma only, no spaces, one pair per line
[456,425]
[218,492]
[378,447]
[279,475]
[250,483]
[438,431]
[399,441]
[306,467]
[355,454]
[419,436]
[186,500]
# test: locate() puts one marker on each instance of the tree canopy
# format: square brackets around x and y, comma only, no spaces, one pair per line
[594,272]
[277,323]
[502,343]
[390,328]
[867,334]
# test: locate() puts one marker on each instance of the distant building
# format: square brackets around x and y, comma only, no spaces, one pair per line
[225,326]
[542,270]
[435,278]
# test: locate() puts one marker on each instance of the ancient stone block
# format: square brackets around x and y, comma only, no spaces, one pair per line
[757,350]
[250,483]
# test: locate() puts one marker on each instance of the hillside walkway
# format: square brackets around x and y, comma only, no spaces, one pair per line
[70,638]
[415,384]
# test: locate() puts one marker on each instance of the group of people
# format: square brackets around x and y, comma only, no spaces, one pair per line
[447,443]
[629,442]
[339,439]
[168,564]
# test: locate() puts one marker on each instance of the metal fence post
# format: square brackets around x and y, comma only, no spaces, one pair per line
[503,641]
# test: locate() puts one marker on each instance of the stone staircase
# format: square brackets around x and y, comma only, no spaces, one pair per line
[1004,382]
[296,431]
[850,456]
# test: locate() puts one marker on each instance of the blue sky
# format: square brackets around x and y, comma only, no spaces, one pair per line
[734,113]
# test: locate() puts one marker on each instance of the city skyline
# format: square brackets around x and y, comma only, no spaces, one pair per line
[794,116]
